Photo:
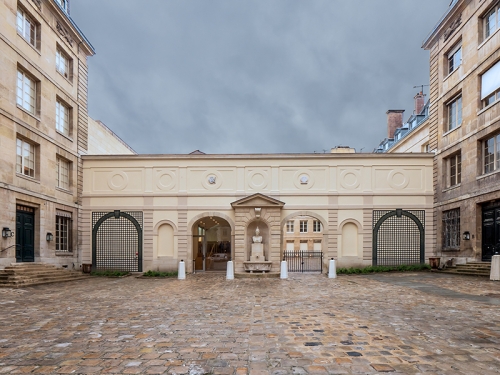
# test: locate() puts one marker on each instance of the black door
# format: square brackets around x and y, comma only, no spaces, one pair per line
[491,233]
[25,235]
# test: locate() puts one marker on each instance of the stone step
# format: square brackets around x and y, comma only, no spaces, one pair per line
[470,272]
[25,283]
[38,276]
[27,274]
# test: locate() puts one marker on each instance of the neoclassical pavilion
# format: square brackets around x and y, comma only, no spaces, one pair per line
[148,212]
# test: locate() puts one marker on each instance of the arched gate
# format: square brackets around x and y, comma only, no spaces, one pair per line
[117,241]
[398,237]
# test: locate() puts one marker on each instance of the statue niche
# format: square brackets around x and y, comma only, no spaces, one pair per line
[257,257]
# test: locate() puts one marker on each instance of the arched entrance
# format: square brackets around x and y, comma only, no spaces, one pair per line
[211,244]
[117,241]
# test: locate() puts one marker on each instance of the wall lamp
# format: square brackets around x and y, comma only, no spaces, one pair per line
[6,232]
[50,236]
[466,236]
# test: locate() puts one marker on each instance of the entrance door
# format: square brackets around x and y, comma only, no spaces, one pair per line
[25,234]
[491,233]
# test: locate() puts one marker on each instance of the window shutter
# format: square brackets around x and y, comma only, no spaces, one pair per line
[490,81]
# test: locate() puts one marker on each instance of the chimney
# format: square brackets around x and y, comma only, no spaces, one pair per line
[419,102]
[394,121]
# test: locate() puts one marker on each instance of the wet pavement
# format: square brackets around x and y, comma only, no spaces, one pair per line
[398,323]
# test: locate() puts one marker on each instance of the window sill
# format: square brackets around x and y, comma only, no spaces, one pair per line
[62,253]
[70,81]
[64,190]
[32,179]
[451,73]
[28,112]
[487,39]
[451,249]
[29,44]
[486,108]
[451,188]
[64,135]
[452,130]
[487,174]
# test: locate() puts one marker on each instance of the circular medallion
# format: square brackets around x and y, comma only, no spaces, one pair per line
[118,181]
[350,179]
[165,180]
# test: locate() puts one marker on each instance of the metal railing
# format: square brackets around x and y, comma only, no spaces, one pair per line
[304,260]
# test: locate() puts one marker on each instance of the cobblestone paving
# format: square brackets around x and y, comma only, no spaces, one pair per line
[307,324]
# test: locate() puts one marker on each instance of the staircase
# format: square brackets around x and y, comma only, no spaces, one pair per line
[19,275]
[471,268]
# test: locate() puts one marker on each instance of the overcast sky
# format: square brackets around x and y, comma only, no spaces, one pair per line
[248,76]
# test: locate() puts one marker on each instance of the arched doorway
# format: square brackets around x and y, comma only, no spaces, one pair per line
[211,244]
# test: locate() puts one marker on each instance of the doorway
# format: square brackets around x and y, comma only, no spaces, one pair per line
[491,233]
[25,234]
[211,244]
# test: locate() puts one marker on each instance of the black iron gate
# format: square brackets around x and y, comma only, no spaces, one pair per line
[398,237]
[117,241]
[304,260]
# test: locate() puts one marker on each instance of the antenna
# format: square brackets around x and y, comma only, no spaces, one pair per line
[421,88]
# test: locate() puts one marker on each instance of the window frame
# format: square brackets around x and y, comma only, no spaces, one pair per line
[64,233]
[317,227]
[23,18]
[65,68]
[454,170]
[493,159]
[303,226]
[63,165]
[454,55]
[451,229]
[22,80]
[290,226]
[487,31]
[21,167]
[65,127]
[454,117]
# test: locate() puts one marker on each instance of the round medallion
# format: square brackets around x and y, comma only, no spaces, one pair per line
[118,181]
[165,180]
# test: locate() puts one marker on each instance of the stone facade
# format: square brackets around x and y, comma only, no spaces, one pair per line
[103,141]
[182,198]
[463,47]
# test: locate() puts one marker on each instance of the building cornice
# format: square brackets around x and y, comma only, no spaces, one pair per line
[448,23]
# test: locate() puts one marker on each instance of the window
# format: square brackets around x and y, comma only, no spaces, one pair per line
[25,158]
[454,109]
[26,92]
[26,27]
[490,85]
[62,63]
[451,229]
[63,4]
[454,167]
[491,154]
[62,173]
[303,226]
[490,22]
[62,118]
[63,231]
[303,246]
[289,226]
[316,226]
[454,58]
[426,147]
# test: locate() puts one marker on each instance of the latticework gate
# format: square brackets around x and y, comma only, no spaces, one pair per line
[398,237]
[304,260]
[117,241]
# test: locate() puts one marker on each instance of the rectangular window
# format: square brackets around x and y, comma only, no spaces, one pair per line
[316,226]
[454,58]
[454,169]
[290,246]
[63,4]
[289,226]
[62,174]
[303,226]
[454,109]
[26,27]
[451,229]
[26,92]
[491,154]
[490,22]
[303,246]
[62,118]
[317,246]
[62,63]
[25,158]
[63,231]
[490,85]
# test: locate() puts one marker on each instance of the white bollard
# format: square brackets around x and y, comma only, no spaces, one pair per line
[332,270]
[230,270]
[495,268]
[284,270]
[182,270]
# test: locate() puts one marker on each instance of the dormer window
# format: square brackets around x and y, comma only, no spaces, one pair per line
[63,4]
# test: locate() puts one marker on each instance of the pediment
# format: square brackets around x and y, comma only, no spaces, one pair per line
[258,200]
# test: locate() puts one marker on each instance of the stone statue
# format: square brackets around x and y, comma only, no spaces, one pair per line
[257,238]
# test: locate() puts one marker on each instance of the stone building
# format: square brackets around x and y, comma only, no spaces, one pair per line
[43,131]
[464,129]
[148,212]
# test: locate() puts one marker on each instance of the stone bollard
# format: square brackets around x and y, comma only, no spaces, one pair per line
[495,268]
[182,270]
[230,270]
[332,270]
[284,270]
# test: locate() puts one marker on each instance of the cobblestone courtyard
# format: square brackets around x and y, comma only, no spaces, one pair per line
[406,323]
